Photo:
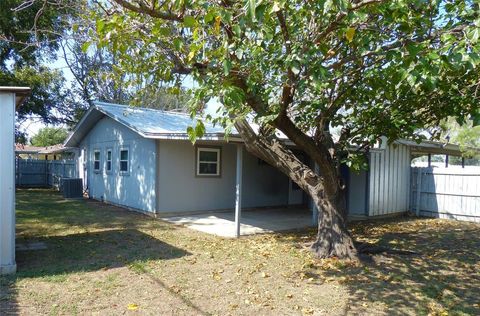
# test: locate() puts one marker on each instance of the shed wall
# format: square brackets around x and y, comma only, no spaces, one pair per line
[136,189]
[181,190]
[389,180]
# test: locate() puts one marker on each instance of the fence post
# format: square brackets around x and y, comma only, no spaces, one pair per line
[419,190]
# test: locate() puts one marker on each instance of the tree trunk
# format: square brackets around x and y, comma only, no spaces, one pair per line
[333,238]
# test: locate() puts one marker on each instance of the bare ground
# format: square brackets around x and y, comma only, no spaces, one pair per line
[105,260]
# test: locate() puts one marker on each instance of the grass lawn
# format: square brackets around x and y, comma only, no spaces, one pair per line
[105,260]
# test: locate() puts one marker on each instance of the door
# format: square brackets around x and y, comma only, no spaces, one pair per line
[295,194]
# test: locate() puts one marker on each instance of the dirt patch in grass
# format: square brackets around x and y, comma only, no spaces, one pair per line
[105,260]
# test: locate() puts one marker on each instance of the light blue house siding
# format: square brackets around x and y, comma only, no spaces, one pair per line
[162,178]
[180,190]
[135,189]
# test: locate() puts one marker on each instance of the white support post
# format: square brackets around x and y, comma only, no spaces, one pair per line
[238,189]
[419,190]
[7,183]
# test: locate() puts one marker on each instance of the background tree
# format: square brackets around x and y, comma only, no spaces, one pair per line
[466,135]
[30,32]
[49,136]
[97,77]
[369,68]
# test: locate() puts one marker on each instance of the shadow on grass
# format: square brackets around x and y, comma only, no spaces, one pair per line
[442,278]
[93,251]
[83,253]
[109,238]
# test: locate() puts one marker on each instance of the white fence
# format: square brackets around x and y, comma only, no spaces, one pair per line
[43,173]
[446,193]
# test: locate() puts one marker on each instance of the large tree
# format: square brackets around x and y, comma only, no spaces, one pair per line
[30,32]
[97,77]
[369,68]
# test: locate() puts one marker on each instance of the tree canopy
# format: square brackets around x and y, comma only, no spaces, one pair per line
[369,68]
[30,32]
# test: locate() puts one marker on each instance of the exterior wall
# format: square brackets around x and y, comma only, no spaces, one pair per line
[135,189]
[389,180]
[180,190]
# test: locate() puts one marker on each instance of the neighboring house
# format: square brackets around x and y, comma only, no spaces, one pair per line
[142,159]
[54,152]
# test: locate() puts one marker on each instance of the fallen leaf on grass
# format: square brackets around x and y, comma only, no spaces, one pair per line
[132,307]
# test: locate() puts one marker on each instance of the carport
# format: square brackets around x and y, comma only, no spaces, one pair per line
[10,97]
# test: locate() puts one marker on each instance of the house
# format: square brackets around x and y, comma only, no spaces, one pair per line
[54,152]
[142,159]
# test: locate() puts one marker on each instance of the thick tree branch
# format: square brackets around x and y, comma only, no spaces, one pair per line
[144,9]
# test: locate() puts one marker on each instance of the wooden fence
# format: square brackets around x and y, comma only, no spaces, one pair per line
[43,173]
[446,193]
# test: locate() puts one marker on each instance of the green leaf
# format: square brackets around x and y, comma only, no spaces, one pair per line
[100,25]
[85,46]
[237,30]
[349,34]
[199,129]
[251,6]
[209,16]
[177,43]
[191,134]
[227,66]
[189,21]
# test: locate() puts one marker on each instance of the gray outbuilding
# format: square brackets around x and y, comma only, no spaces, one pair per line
[142,159]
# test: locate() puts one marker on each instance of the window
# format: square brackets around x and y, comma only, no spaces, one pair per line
[208,161]
[124,168]
[109,160]
[96,160]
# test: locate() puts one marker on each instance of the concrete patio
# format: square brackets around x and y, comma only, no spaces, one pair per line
[252,222]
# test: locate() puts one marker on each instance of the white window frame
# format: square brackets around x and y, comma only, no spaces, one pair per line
[123,172]
[99,169]
[109,150]
[218,162]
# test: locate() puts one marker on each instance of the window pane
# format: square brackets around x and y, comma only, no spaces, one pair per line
[123,166]
[109,155]
[208,168]
[109,165]
[124,155]
[208,156]
[97,155]
[96,165]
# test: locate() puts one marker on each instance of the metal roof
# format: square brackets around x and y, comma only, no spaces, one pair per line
[149,123]
[159,124]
